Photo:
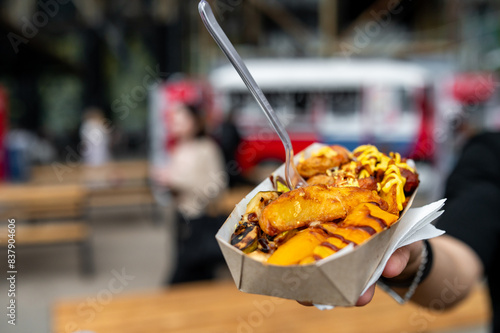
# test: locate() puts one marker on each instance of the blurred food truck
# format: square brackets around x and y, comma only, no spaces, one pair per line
[348,102]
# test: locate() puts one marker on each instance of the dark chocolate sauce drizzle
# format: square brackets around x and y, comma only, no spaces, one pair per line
[367,228]
[381,222]
[330,246]
[344,240]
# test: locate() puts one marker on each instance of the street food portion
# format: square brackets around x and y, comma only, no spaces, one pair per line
[322,160]
[302,206]
[349,198]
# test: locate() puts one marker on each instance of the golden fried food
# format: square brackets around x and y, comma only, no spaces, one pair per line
[298,247]
[390,195]
[363,222]
[322,179]
[338,240]
[300,207]
[325,158]
[370,217]
[247,232]
[349,198]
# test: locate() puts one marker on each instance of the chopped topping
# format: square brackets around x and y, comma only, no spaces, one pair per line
[326,151]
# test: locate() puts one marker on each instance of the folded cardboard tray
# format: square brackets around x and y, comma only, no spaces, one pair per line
[337,280]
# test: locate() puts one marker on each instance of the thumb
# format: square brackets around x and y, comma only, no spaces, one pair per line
[404,260]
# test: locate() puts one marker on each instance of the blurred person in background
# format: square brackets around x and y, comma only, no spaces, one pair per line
[196,177]
[95,138]
[24,149]
[229,139]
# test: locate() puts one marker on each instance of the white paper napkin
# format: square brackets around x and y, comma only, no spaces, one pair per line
[415,225]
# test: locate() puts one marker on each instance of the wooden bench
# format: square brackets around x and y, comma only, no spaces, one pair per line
[219,307]
[115,184]
[121,184]
[111,173]
[47,215]
[49,233]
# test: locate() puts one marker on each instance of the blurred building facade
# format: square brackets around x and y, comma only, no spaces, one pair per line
[61,56]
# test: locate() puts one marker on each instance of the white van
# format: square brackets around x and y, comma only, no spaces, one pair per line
[347,102]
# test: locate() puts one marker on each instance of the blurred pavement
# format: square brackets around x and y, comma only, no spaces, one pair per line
[126,243]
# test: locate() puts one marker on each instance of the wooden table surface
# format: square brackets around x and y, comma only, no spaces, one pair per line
[42,201]
[28,192]
[219,307]
[114,173]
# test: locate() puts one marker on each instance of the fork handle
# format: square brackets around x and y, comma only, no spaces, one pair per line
[227,47]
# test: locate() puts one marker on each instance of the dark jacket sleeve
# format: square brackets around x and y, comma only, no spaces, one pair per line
[472,211]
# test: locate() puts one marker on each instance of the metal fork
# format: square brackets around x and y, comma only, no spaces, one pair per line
[292,177]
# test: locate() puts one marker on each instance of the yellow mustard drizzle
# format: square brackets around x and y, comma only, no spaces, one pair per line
[392,176]
[350,167]
[364,174]
[372,157]
[397,159]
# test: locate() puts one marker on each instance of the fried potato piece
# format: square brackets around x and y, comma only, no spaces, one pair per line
[370,218]
[340,239]
[321,179]
[342,178]
[364,221]
[391,197]
[326,158]
[352,235]
[323,203]
[330,228]
[328,247]
[307,260]
[298,247]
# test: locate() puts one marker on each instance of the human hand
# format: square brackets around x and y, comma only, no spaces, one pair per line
[402,265]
